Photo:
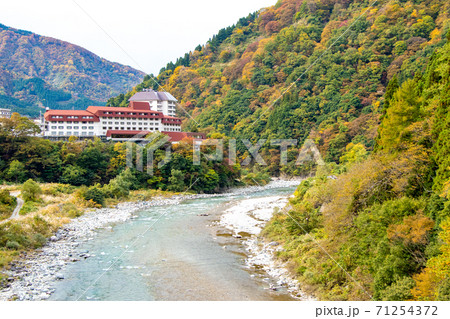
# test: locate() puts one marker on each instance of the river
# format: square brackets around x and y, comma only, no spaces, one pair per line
[179,252]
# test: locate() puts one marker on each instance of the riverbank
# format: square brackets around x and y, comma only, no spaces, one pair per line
[32,277]
[246,219]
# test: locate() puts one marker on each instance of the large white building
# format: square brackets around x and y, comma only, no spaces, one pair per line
[148,111]
[5,113]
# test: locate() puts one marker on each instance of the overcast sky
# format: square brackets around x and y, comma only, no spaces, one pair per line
[151,32]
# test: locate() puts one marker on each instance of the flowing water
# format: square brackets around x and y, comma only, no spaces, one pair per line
[170,253]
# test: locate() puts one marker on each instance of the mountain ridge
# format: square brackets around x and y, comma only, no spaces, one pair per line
[73,76]
[231,81]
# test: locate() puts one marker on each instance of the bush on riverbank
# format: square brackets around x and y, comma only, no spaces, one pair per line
[7,204]
[31,191]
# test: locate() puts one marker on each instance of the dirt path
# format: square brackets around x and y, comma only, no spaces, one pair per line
[20,202]
[15,213]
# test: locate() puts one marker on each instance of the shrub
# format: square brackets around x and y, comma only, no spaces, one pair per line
[29,207]
[400,290]
[31,190]
[39,240]
[71,210]
[55,189]
[94,193]
[12,245]
[444,289]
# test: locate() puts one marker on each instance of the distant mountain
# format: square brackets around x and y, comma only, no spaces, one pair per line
[41,71]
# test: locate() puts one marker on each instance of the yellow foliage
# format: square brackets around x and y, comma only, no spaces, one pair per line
[426,284]
[434,34]
[438,268]
[413,230]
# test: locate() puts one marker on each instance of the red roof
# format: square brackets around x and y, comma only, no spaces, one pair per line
[64,114]
[173,136]
[141,106]
[68,112]
[131,133]
[179,136]
[107,108]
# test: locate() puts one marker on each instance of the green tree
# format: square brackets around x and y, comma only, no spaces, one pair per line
[16,171]
[176,181]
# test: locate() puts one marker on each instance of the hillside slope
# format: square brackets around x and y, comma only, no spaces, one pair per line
[343,52]
[385,221]
[37,70]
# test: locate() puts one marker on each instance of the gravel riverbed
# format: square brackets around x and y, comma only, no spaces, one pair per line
[245,220]
[33,276]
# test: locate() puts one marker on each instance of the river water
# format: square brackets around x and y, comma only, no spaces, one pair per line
[178,252]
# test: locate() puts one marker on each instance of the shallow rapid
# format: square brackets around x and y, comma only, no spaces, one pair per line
[177,252]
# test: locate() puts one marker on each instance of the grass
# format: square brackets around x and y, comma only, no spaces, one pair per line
[40,219]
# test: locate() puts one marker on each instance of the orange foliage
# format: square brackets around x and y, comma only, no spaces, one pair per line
[413,230]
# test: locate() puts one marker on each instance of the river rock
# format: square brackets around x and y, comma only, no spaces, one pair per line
[40,269]
[274,243]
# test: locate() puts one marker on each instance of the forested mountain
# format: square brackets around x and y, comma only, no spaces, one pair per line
[42,71]
[342,52]
[370,85]
[386,220]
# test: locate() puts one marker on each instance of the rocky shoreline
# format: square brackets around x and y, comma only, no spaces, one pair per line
[34,275]
[263,255]
[246,220]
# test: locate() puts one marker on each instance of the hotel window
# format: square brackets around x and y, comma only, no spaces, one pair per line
[54,127]
[105,128]
[53,133]
[91,133]
[61,127]
[84,127]
[84,133]
[91,127]
[75,122]
[69,127]
[122,128]
[110,128]
[69,133]
[76,127]
[75,133]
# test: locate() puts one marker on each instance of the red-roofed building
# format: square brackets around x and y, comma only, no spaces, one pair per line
[148,111]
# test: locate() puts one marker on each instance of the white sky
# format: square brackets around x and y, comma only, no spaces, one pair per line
[152,32]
